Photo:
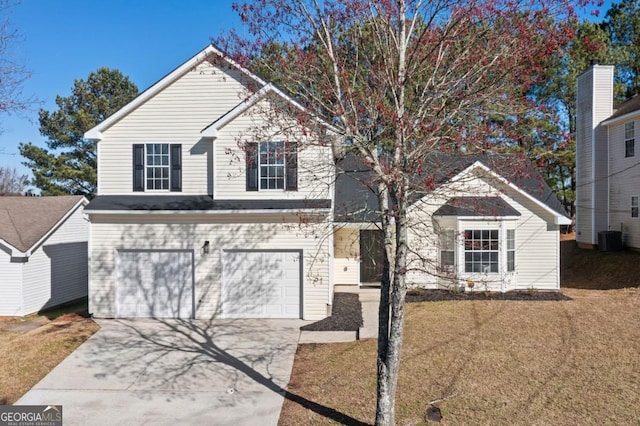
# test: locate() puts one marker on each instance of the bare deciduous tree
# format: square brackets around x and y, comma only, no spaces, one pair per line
[403,81]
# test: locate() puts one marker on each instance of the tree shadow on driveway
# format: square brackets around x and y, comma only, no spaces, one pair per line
[236,360]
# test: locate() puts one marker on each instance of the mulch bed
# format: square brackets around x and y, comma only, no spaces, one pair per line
[424,295]
[346,315]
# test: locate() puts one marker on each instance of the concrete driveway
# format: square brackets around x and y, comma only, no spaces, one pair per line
[168,372]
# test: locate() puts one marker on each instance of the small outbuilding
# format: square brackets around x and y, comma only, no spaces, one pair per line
[43,252]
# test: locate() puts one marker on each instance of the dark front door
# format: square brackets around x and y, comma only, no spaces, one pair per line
[371,251]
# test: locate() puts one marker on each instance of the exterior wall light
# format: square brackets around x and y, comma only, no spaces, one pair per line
[205,247]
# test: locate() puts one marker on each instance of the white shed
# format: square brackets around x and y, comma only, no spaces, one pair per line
[43,252]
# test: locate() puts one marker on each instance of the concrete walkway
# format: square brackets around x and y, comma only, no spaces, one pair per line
[170,372]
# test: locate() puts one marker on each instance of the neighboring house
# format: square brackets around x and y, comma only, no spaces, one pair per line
[214,201]
[607,161]
[43,252]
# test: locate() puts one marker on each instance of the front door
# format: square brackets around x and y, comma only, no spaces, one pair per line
[371,251]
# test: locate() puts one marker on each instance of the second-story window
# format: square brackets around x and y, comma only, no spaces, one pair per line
[634,206]
[629,139]
[272,166]
[157,167]
[272,163]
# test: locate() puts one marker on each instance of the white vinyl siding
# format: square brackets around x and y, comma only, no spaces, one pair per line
[315,162]
[623,185]
[346,253]
[57,271]
[10,285]
[537,248]
[187,232]
[175,115]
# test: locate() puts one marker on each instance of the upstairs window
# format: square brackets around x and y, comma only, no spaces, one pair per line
[629,139]
[634,206]
[481,250]
[157,167]
[272,166]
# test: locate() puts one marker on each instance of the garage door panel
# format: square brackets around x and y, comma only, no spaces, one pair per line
[261,284]
[155,284]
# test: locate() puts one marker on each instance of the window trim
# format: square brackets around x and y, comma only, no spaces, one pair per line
[630,140]
[147,166]
[253,166]
[447,244]
[267,165]
[140,166]
[473,241]
[510,247]
[635,206]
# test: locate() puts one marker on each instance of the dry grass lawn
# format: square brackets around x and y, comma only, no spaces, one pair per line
[27,356]
[494,362]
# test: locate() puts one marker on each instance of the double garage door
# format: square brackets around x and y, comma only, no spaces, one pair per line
[255,284]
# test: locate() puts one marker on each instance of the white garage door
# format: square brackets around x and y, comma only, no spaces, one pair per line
[261,284]
[154,284]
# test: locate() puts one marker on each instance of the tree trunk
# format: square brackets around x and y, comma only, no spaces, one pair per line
[391,314]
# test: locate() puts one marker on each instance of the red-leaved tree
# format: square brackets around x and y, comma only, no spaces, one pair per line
[402,80]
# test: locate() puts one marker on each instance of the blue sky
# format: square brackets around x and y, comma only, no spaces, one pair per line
[64,40]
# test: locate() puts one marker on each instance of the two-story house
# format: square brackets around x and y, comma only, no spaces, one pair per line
[216,200]
[607,162]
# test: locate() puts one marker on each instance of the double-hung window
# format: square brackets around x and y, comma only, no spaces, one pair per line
[447,250]
[272,166]
[629,139]
[157,167]
[272,161]
[634,206]
[511,250]
[481,250]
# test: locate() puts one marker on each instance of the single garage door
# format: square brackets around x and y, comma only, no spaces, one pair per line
[154,284]
[261,284]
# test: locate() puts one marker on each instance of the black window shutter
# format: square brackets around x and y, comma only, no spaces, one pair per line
[176,168]
[138,167]
[252,166]
[291,164]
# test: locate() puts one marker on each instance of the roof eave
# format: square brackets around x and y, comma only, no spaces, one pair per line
[620,119]
[209,212]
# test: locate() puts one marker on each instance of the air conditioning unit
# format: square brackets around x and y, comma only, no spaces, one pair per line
[610,241]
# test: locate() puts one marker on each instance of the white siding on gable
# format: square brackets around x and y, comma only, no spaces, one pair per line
[262,123]
[177,114]
[189,232]
[10,285]
[624,183]
[537,238]
[57,270]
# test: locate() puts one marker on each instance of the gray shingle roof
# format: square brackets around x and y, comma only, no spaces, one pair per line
[196,202]
[630,105]
[356,201]
[25,220]
[476,206]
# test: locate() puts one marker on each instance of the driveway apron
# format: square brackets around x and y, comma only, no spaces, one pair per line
[168,372]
